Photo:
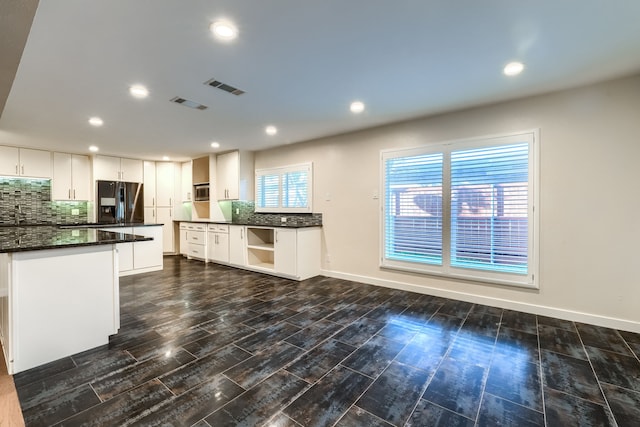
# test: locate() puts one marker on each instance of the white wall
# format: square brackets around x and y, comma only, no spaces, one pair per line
[589,200]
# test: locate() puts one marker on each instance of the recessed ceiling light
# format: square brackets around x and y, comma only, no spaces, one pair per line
[271,130]
[224,30]
[93,149]
[165,158]
[96,121]
[139,91]
[357,107]
[215,144]
[513,68]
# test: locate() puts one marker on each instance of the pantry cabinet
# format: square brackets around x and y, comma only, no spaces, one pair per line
[71,177]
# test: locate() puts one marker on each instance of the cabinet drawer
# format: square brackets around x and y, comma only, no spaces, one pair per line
[218,228]
[197,237]
[195,250]
[197,227]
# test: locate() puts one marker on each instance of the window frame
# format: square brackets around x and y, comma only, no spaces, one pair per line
[281,172]
[528,280]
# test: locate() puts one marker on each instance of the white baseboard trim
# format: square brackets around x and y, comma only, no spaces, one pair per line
[560,313]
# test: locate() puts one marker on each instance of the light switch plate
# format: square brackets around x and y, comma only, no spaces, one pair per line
[75,211]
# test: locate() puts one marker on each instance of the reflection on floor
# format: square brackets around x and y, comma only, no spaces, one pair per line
[215,346]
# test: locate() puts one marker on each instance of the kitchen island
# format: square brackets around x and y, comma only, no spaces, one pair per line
[59,292]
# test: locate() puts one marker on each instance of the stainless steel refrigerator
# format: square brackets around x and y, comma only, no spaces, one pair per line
[120,202]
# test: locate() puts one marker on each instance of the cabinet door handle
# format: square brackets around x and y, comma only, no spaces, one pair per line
[276,237]
[170,202]
[22,169]
[241,233]
[16,169]
[69,193]
[74,194]
[153,201]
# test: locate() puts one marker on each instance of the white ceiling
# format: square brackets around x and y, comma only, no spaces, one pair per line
[301,63]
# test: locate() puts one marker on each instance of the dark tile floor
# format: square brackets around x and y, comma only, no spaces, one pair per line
[215,346]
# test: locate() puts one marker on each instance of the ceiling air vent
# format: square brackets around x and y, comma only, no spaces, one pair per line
[223,86]
[187,103]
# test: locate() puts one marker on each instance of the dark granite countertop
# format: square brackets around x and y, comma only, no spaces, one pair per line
[38,237]
[253,224]
[98,225]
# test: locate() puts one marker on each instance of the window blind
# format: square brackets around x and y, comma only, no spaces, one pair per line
[413,194]
[284,189]
[489,208]
[462,209]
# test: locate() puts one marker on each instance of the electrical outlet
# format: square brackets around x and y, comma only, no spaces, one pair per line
[237,211]
[75,211]
[283,219]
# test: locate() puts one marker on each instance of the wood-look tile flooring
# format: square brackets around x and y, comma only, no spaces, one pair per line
[215,346]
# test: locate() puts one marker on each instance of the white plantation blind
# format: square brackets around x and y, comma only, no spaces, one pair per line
[462,209]
[268,190]
[413,197]
[490,207]
[284,189]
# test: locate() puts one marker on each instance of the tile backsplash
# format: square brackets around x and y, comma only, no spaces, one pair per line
[29,201]
[247,215]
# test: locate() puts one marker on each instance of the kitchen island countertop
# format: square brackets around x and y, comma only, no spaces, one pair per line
[38,237]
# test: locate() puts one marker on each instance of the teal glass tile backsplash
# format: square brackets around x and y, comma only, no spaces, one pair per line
[28,201]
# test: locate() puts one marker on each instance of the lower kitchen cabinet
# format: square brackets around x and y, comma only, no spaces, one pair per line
[164,216]
[237,245]
[218,243]
[139,257]
[197,241]
[286,252]
[184,243]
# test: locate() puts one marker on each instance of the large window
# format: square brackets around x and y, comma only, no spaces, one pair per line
[463,209]
[284,189]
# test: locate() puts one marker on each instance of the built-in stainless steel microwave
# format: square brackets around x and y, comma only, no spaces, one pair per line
[201,192]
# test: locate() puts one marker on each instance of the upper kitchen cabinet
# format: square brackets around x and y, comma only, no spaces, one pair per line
[167,183]
[107,168]
[234,176]
[200,170]
[25,162]
[71,177]
[149,184]
[186,193]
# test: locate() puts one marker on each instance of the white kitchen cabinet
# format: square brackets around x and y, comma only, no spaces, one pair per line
[286,252]
[237,245]
[234,176]
[218,243]
[164,216]
[184,232]
[9,160]
[165,177]
[125,257]
[139,257]
[108,168]
[125,250]
[147,255]
[131,170]
[150,215]
[186,185]
[149,176]
[25,162]
[197,241]
[71,177]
